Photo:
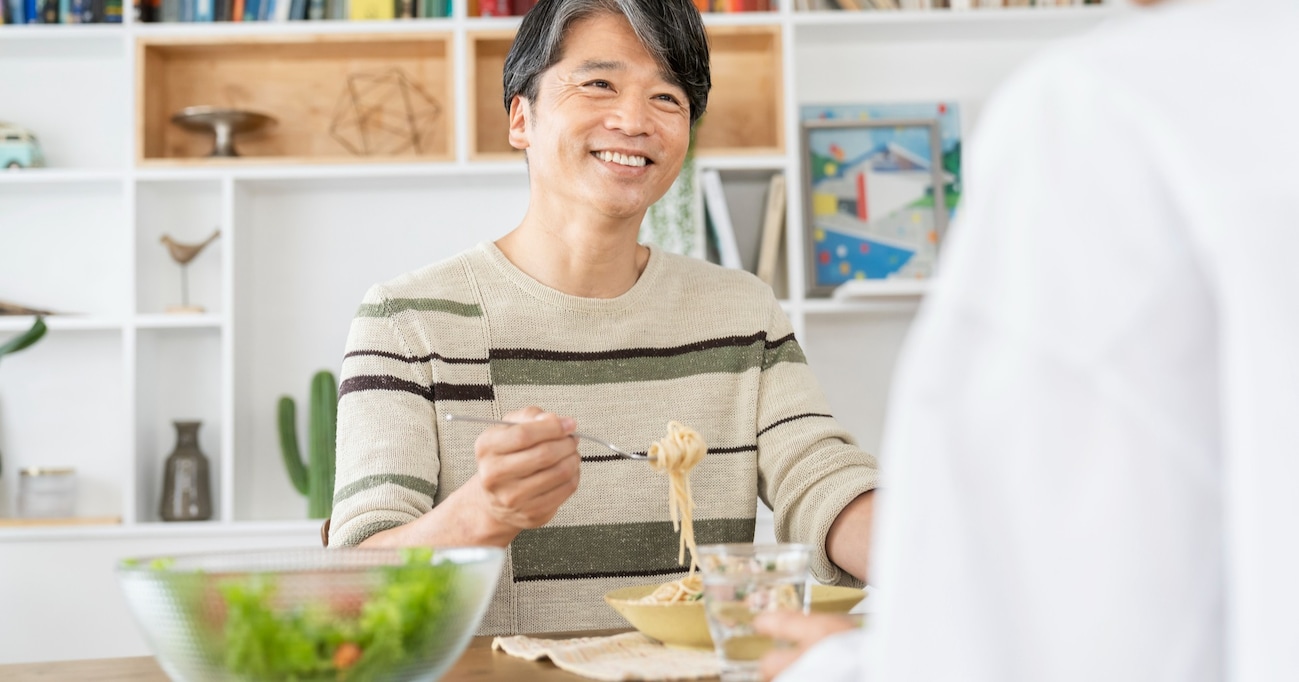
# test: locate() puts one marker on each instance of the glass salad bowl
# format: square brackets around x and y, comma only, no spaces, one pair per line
[311,614]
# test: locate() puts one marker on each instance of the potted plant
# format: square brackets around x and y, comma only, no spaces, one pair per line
[18,343]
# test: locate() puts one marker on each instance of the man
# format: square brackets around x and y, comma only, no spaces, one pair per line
[570,313]
[1093,442]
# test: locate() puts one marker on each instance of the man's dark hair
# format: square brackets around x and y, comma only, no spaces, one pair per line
[671,31]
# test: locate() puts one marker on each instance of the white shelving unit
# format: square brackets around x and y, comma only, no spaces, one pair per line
[301,243]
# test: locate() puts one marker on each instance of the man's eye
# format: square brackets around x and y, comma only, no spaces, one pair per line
[599,84]
[670,98]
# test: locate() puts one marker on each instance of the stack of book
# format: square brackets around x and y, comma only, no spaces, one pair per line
[60,11]
[287,10]
[731,6]
[936,4]
[504,8]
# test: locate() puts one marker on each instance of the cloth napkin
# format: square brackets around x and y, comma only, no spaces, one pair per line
[628,656]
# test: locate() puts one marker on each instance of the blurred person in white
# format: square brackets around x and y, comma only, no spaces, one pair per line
[1092,451]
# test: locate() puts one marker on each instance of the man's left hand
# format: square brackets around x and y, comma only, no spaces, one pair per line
[803,631]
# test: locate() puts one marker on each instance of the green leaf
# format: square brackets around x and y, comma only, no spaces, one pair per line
[25,339]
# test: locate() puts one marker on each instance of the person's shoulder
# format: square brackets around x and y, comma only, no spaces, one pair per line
[697,273]
[445,279]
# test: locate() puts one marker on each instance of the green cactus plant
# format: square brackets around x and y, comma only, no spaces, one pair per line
[17,343]
[316,479]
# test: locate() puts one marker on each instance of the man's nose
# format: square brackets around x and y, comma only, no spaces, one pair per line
[631,116]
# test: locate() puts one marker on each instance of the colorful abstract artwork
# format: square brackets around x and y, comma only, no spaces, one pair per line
[870,181]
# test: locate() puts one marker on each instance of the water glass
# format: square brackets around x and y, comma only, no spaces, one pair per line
[742,581]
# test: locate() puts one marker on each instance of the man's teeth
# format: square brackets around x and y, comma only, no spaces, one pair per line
[623,159]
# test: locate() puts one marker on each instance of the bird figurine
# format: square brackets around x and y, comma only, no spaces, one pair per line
[183,253]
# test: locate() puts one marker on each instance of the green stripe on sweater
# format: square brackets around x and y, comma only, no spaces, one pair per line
[412,483]
[393,306]
[725,360]
[614,548]
[788,351]
[359,535]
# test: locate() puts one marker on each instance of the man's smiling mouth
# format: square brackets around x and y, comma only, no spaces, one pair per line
[622,159]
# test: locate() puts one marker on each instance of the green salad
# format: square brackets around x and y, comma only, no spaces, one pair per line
[397,621]
[254,637]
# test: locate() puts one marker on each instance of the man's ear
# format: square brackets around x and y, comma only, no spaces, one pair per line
[520,114]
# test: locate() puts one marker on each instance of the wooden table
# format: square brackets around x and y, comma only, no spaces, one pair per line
[478,664]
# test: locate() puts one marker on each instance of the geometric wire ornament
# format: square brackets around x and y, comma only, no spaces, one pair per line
[384,112]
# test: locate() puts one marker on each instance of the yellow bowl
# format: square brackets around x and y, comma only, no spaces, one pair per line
[683,624]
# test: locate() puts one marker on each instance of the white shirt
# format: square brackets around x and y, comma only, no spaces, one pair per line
[1092,456]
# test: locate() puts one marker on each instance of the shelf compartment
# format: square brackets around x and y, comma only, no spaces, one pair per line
[488,123]
[317,86]
[61,404]
[188,213]
[745,115]
[745,112]
[67,240]
[178,378]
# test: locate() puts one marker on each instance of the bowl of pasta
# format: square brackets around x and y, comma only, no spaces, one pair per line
[673,613]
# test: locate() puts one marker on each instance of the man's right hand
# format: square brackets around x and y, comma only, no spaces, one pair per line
[527,470]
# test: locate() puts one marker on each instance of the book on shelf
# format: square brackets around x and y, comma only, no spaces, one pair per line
[371,9]
[721,230]
[735,6]
[773,230]
[184,11]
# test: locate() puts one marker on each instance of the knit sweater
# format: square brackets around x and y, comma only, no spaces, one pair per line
[690,341]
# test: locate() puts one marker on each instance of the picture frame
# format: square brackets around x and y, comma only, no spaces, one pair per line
[874,203]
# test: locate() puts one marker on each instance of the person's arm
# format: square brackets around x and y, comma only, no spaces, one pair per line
[849,540]
[811,471]
[388,457]
[525,472]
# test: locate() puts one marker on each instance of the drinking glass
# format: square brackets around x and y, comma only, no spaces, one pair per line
[742,581]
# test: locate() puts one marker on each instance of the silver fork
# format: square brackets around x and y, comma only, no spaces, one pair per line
[483,420]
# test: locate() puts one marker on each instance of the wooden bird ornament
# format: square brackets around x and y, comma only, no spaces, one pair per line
[183,253]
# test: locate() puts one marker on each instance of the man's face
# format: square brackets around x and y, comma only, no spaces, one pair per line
[608,131]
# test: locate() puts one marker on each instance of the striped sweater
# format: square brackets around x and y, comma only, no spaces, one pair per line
[690,341]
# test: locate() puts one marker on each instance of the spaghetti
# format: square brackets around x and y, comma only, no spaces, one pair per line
[675,455]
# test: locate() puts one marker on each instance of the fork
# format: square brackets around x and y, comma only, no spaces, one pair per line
[617,450]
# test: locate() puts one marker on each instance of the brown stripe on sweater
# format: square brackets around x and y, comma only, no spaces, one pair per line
[416,359]
[612,574]
[626,353]
[591,551]
[434,393]
[786,420]
[781,341]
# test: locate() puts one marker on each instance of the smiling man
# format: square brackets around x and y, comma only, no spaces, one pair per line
[568,313]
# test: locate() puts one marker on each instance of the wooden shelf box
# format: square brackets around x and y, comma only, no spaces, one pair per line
[745,113]
[745,107]
[489,124]
[336,98]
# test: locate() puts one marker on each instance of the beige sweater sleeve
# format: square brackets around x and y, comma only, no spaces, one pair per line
[387,459]
[810,468]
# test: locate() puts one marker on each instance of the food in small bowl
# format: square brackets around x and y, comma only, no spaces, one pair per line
[683,624]
[311,614]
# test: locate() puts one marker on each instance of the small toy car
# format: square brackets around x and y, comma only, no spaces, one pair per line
[19,148]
